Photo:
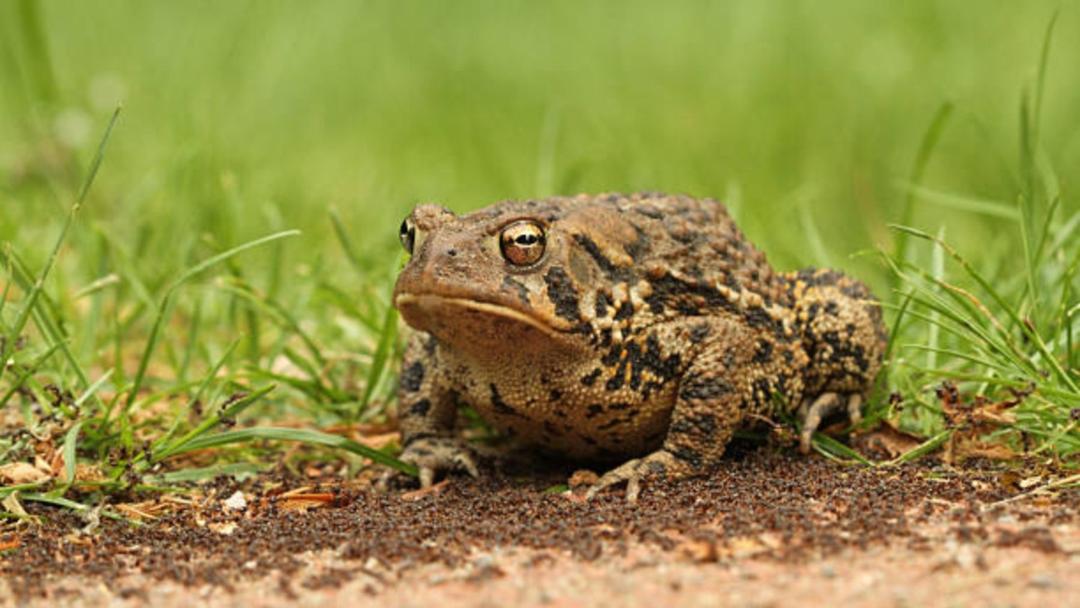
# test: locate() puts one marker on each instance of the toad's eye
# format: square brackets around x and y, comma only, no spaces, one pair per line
[407,235]
[522,243]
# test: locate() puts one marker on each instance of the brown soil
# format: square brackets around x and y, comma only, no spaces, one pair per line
[765,526]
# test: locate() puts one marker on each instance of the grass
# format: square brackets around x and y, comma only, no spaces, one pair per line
[202,279]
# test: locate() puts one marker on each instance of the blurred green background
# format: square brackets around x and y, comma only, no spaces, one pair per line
[243,117]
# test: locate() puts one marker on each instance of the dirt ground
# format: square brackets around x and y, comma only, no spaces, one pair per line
[769,528]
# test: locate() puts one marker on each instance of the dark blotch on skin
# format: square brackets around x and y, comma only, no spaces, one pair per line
[501,407]
[418,437]
[511,284]
[687,455]
[699,387]
[602,304]
[699,332]
[420,408]
[639,361]
[590,378]
[762,390]
[700,425]
[611,270]
[650,212]
[640,246]
[758,317]
[610,424]
[672,291]
[430,345]
[412,377]
[560,290]
[764,352]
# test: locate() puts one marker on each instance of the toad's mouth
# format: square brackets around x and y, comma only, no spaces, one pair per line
[484,327]
[428,303]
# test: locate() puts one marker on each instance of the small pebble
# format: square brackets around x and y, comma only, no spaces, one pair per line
[1043,581]
[236,502]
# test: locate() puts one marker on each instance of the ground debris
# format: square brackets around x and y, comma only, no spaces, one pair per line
[765,504]
[973,418]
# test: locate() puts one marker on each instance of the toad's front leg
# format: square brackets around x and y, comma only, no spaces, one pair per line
[712,399]
[427,411]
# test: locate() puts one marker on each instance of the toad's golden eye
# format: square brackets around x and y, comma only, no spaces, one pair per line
[407,235]
[522,243]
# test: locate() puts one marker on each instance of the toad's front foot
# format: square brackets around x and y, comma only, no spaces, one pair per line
[813,413]
[660,465]
[433,455]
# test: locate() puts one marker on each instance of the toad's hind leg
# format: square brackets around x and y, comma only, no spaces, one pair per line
[714,395]
[812,413]
[840,324]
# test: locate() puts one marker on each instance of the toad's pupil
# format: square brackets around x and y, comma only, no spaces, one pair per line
[522,243]
[407,234]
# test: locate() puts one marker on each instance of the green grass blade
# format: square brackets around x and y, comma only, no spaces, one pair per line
[813,237]
[1052,361]
[834,450]
[937,272]
[59,501]
[163,307]
[969,204]
[922,449]
[29,305]
[203,473]
[929,142]
[346,243]
[379,361]
[277,313]
[26,374]
[71,440]
[229,410]
[196,396]
[93,388]
[1040,79]
[307,436]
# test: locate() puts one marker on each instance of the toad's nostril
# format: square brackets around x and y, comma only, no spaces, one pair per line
[451,252]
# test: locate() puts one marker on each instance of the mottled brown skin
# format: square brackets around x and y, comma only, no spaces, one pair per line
[648,331]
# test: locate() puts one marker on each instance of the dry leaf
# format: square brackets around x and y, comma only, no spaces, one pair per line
[422,492]
[12,505]
[148,509]
[226,528]
[961,447]
[700,551]
[307,500]
[747,546]
[582,478]
[88,472]
[891,441]
[22,472]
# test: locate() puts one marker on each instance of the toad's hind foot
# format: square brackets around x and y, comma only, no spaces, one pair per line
[433,455]
[659,465]
[812,413]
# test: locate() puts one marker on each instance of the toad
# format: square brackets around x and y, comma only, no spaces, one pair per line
[638,330]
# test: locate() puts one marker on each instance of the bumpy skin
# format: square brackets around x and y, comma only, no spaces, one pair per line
[650,330]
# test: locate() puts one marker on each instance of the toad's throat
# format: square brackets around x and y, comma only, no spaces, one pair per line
[445,316]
